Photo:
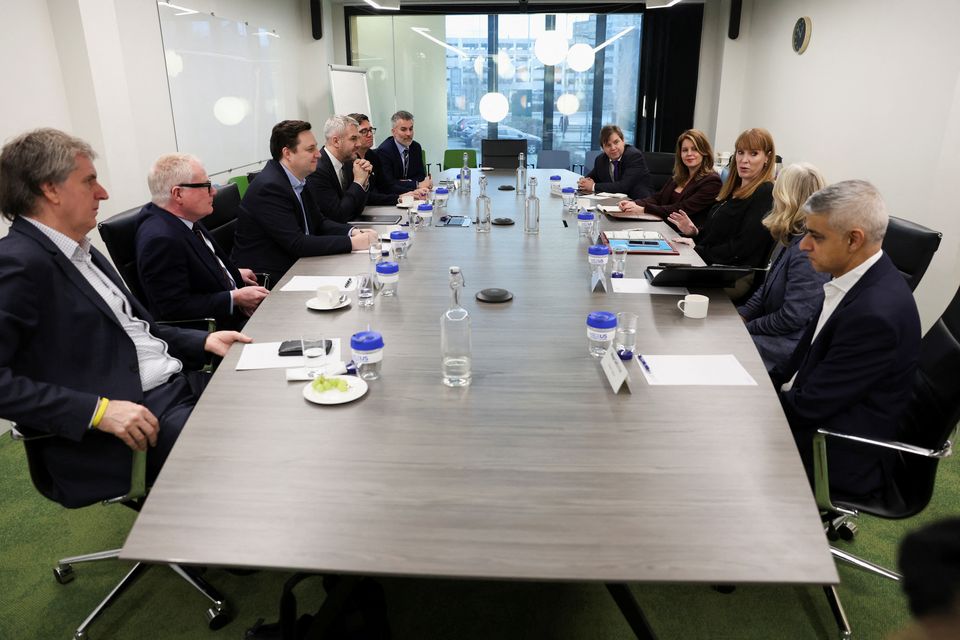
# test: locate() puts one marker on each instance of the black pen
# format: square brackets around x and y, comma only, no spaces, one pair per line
[565,223]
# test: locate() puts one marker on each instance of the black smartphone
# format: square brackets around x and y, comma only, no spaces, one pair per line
[643,243]
[454,221]
[295,348]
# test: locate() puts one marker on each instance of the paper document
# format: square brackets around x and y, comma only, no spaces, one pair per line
[716,370]
[604,194]
[614,211]
[642,285]
[310,283]
[263,355]
[633,234]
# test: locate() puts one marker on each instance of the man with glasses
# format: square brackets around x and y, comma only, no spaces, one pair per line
[184,273]
[365,151]
[402,157]
[341,182]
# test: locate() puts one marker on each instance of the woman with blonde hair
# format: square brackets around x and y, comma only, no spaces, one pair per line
[791,296]
[732,233]
[693,187]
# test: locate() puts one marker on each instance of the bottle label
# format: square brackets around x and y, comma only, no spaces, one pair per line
[386,278]
[367,357]
[599,260]
[600,335]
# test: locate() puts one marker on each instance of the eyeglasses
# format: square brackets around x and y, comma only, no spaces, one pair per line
[197,185]
[367,131]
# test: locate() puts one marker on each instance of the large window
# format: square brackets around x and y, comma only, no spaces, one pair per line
[497,60]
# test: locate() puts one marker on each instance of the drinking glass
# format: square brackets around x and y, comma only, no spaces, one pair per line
[625,339]
[313,355]
[364,289]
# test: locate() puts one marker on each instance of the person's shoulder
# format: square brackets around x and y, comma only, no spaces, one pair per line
[712,178]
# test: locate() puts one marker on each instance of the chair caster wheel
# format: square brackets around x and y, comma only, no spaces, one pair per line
[832,534]
[63,573]
[723,588]
[847,531]
[218,618]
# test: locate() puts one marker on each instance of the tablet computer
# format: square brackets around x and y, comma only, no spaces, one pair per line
[377,219]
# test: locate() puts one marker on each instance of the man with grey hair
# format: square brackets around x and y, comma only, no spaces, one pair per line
[853,369]
[184,273]
[402,156]
[340,184]
[81,361]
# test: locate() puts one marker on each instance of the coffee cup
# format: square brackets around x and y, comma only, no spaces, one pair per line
[694,306]
[328,296]
[406,201]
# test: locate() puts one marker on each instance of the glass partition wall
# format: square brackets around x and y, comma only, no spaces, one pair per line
[553,79]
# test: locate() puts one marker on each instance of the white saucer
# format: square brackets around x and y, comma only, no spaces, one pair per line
[357,388]
[312,303]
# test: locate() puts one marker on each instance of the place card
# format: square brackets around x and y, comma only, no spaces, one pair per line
[616,372]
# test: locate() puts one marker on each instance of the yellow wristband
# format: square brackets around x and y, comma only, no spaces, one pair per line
[101,409]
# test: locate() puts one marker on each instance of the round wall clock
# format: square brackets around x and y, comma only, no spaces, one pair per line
[801,34]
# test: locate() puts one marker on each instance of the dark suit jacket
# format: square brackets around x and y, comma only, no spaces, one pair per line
[856,377]
[179,276]
[392,179]
[61,347]
[376,197]
[334,202]
[270,234]
[634,176]
[696,198]
[734,233]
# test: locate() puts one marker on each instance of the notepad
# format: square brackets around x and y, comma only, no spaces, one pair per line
[711,370]
[633,234]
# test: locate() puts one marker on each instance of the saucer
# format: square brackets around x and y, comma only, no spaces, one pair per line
[312,303]
[357,387]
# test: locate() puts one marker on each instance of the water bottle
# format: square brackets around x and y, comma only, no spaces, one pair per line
[455,337]
[531,210]
[465,174]
[483,208]
[522,173]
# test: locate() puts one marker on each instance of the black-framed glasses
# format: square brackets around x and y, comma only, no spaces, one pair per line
[367,131]
[197,185]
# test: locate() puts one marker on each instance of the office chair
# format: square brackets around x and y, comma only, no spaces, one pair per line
[660,166]
[453,158]
[218,614]
[241,182]
[553,159]
[911,247]
[590,157]
[223,221]
[502,154]
[251,176]
[923,439]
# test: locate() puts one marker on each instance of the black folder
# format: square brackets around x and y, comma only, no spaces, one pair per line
[687,276]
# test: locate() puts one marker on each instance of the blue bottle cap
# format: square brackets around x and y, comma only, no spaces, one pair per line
[366,341]
[458,176]
[625,354]
[602,320]
[568,190]
[386,267]
[426,206]
[584,215]
[555,177]
[599,250]
[399,235]
[442,191]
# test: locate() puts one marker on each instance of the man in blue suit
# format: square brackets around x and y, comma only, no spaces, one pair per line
[402,158]
[341,182]
[183,271]
[853,369]
[621,168]
[80,359]
[279,220]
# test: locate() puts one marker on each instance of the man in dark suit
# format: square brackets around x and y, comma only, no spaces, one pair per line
[620,169]
[341,182]
[183,271]
[365,151]
[853,369]
[279,220]
[80,359]
[402,158]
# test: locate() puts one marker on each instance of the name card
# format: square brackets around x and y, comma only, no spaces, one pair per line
[616,372]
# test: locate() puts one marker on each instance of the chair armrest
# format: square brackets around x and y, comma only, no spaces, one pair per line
[205,324]
[263,279]
[18,436]
[943,452]
[138,480]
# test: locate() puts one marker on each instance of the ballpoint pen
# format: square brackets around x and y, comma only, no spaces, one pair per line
[644,363]
[346,284]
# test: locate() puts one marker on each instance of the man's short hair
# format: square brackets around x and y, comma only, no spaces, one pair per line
[167,172]
[337,126]
[286,135]
[400,115]
[607,131]
[359,117]
[32,160]
[851,204]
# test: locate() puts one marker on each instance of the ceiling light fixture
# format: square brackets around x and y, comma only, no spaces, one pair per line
[423,31]
[652,4]
[183,10]
[384,5]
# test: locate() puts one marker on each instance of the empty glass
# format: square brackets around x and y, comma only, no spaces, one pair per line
[364,289]
[313,355]
[619,267]
[625,341]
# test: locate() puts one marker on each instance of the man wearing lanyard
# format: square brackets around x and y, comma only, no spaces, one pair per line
[402,158]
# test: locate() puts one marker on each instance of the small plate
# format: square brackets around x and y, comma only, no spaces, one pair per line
[312,303]
[357,388]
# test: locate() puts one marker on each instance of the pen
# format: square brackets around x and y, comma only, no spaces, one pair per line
[644,363]
[347,283]
[565,223]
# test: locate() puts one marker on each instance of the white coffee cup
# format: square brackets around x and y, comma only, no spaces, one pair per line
[406,201]
[694,306]
[584,203]
[328,296]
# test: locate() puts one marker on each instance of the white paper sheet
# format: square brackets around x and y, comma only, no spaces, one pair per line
[714,370]
[310,283]
[263,355]
[642,285]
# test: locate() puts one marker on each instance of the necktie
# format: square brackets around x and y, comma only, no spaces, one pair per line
[406,161]
[344,177]
[615,170]
[228,280]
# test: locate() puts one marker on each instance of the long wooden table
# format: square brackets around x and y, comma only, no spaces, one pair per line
[536,471]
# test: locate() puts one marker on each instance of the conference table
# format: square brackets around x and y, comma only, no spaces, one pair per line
[536,471]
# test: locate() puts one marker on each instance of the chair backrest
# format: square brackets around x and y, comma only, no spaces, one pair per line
[589,158]
[119,235]
[223,221]
[453,158]
[501,154]
[911,247]
[252,175]
[553,159]
[241,182]
[660,166]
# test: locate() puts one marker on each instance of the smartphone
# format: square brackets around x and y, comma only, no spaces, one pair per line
[455,221]
[643,243]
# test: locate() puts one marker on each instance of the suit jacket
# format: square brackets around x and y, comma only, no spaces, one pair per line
[376,197]
[856,377]
[392,179]
[734,233]
[336,203]
[270,233]
[778,312]
[61,347]
[179,276]
[634,177]
[696,198]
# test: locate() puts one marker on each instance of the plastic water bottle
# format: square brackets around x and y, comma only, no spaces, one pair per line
[522,173]
[483,208]
[465,175]
[531,211]
[455,337]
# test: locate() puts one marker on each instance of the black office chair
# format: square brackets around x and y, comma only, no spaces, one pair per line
[501,154]
[923,439]
[218,614]
[553,159]
[589,157]
[911,247]
[660,166]
[251,175]
[223,221]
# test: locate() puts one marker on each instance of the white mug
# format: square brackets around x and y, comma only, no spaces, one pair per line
[694,306]
[406,201]
[328,296]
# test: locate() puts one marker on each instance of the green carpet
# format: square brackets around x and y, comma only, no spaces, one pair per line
[34,533]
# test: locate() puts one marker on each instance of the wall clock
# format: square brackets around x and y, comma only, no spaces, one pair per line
[801,34]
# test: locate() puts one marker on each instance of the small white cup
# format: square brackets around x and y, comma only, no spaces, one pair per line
[694,306]
[406,201]
[584,203]
[328,296]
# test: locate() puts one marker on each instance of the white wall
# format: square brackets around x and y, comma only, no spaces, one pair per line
[875,96]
